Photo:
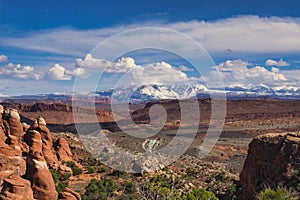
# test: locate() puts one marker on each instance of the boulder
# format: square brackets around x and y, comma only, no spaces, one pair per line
[16,188]
[62,149]
[63,169]
[68,194]
[271,160]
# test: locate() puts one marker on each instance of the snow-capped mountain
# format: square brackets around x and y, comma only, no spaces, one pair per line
[260,89]
[179,91]
[264,90]
[175,91]
[157,91]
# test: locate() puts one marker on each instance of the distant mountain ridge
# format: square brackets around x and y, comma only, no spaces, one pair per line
[175,91]
[180,91]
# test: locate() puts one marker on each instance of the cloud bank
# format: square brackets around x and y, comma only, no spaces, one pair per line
[239,34]
[20,72]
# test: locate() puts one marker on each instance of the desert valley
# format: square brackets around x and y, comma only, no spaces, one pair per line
[41,152]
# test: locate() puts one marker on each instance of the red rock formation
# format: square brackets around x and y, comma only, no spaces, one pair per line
[12,117]
[11,161]
[30,156]
[3,136]
[16,188]
[68,194]
[37,170]
[62,149]
[48,151]
[270,161]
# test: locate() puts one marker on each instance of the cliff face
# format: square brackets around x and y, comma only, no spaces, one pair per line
[26,155]
[272,160]
[57,113]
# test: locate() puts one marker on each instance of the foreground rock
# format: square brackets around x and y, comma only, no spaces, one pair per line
[26,154]
[37,170]
[68,194]
[16,188]
[62,149]
[272,159]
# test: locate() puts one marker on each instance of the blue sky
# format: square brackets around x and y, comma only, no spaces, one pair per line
[250,42]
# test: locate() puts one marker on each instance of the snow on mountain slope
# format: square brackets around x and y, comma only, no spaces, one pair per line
[156,92]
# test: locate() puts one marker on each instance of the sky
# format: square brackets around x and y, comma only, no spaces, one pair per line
[48,47]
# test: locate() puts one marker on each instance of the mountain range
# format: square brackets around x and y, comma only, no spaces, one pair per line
[175,91]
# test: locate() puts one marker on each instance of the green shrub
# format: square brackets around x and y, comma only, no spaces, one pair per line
[222,177]
[200,194]
[150,190]
[90,169]
[55,175]
[295,180]
[129,197]
[91,161]
[161,180]
[103,169]
[65,176]
[119,173]
[160,186]
[232,191]
[61,186]
[99,189]
[130,188]
[279,194]
[75,169]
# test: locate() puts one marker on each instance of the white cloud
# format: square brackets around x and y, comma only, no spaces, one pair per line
[122,65]
[58,72]
[241,34]
[92,63]
[280,63]
[271,62]
[241,72]
[158,73]
[78,72]
[20,72]
[185,69]
[293,76]
[3,58]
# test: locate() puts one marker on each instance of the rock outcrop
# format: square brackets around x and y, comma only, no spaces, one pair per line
[271,160]
[12,118]
[68,194]
[16,188]
[37,170]
[26,154]
[48,150]
[62,149]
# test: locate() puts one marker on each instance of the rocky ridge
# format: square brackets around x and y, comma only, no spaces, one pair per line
[27,153]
